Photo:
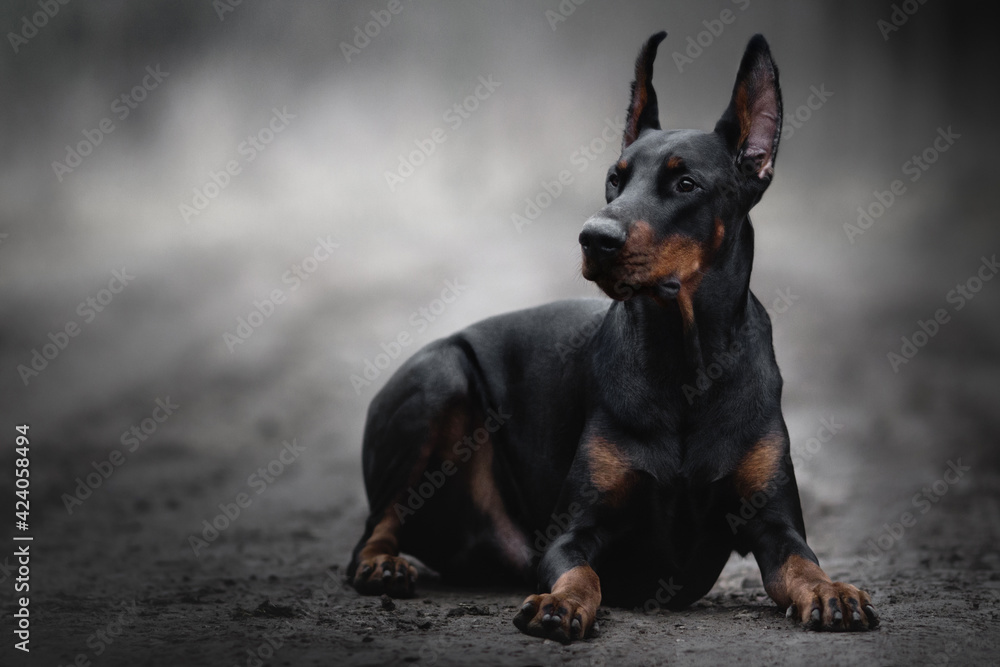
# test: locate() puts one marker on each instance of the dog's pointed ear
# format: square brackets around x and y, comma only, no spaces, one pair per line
[642,112]
[751,125]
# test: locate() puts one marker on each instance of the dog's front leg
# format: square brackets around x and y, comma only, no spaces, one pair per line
[569,610]
[595,496]
[776,535]
[566,613]
[794,580]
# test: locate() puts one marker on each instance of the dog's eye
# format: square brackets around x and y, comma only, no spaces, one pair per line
[613,180]
[685,184]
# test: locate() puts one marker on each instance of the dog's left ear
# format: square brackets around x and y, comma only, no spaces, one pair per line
[751,125]
[642,111]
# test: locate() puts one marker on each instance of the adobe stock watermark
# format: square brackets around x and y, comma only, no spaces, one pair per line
[948,652]
[131,439]
[419,321]
[559,523]
[579,160]
[270,644]
[898,17]
[247,151]
[363,37]
[462,451]
[104,637]
[720,362]
[751,505]
[88,310]
[578,338]
[928,496]
[47,10]
[335,586]
[958,297]
[121,107]
[562,12]
[454,116]
[696,44]
[667,591]
[914,168]
[223,7]
[230,511]
[263,309]
[794,119]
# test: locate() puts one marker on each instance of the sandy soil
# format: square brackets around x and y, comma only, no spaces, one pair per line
[118,576]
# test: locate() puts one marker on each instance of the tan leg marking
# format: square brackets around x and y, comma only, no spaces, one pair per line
[487,499]
[610,471]
[759,466]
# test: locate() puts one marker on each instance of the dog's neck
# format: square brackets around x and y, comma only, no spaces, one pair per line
[661,334]
[721,301]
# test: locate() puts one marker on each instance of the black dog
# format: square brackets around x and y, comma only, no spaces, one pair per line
[583,445]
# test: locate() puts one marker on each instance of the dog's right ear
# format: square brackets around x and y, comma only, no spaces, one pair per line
[751,125]
[642,111]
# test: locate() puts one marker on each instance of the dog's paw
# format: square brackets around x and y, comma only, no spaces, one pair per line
[390,575]
[556,617]
[833,606]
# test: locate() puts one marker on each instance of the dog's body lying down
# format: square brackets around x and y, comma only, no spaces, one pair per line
[617,452]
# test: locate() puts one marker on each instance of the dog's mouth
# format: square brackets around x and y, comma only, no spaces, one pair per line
[643,264]
[661,275]
[623,290]
[669,288]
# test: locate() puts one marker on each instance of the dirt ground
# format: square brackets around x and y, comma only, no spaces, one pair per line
[195,497]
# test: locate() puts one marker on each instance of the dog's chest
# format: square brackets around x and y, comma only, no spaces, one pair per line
[691,461]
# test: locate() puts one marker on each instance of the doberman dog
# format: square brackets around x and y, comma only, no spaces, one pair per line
[613,451]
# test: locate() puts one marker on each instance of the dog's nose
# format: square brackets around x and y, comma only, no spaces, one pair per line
[601,238]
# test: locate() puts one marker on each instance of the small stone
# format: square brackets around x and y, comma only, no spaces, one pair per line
[479,610]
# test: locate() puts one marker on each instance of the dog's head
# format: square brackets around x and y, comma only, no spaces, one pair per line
[676,196]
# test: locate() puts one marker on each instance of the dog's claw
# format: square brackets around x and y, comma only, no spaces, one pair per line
[833,606]
[872,616]
[524,616]
[384,574]
[550,616]
[560,636]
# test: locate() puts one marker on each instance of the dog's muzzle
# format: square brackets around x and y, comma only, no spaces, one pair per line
[601,241]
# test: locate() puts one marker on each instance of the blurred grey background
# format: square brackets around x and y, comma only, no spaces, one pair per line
[350,106]
[355,113]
